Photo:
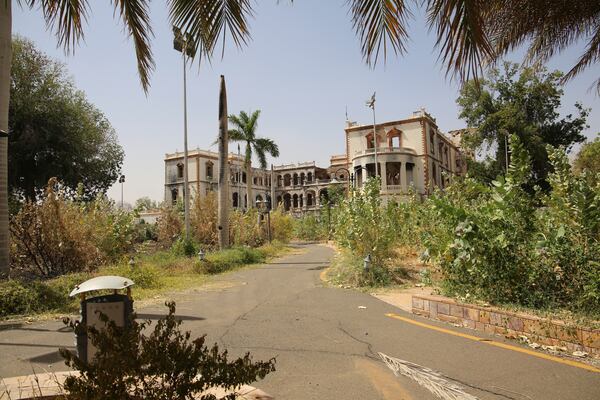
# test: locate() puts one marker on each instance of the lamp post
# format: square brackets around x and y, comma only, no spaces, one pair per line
[263,207]
[122,181]
[184,43]
[371,104]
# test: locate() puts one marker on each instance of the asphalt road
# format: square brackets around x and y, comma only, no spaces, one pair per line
[327,340]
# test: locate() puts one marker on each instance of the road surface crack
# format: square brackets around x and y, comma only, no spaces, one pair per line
[370,353]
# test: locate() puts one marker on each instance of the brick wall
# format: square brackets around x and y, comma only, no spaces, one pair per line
[495,321]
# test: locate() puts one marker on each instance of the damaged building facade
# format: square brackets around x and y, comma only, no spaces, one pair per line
[412,154]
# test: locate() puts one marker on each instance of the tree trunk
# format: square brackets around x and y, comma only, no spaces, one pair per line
[249,184]
[5,63]
[223,181]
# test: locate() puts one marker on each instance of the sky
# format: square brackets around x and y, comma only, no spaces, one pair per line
[303,68]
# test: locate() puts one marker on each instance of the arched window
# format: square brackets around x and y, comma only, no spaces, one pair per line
[309,177]
[394,138]
[302,178]
[287,180]
[235,200]
[209,170]
[370,141]
[295,179]
[180,170]
[295,201]
[174,193]
[287,201]
[309,199]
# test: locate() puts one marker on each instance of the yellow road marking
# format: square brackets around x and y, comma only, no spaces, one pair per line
[497,344]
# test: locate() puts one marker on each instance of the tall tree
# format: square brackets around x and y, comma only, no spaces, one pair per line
[522,102]
[5,61]
[205,20]
[245,131]
[588,159]
[55,131]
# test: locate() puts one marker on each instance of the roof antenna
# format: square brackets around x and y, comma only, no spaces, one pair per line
[346,113]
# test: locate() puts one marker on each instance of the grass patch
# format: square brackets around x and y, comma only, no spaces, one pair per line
[154,274]
[347,270]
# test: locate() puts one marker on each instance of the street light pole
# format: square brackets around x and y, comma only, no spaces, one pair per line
[186,192]
[371,105]
[185,44]
[122,181]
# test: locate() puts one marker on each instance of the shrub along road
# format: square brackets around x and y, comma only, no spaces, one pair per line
[327,342]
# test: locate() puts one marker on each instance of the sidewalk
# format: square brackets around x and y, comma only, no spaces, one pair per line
[49,386]
[554,336]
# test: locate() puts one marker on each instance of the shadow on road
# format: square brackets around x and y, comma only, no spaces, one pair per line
[178,317]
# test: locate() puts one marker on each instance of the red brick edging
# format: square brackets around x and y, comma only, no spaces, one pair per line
[492,320]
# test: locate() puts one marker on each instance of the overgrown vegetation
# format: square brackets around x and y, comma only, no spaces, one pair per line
[499,243]
[58,235]
[154,274]
[164,364]
[60,241]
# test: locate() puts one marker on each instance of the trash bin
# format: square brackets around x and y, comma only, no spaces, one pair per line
[117,307]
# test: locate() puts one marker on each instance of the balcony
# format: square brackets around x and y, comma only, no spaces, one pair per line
[384,150]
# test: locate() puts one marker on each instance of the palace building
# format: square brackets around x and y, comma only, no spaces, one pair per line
[412,155]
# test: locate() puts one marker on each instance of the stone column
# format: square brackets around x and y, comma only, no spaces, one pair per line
[403,181]
[383,172]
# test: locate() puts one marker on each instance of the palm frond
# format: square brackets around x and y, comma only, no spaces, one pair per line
[252,123]
[262,158]
[136,18]
[210,20]
[378,22]
[236,135]
[589,57]
[548,27]
[267,145]
[236,121]
[461,36]
[65,18]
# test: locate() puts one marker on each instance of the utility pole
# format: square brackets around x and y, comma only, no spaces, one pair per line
[223,210]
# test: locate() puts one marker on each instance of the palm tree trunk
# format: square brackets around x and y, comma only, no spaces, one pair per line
[223,211]
[5,63]
[249,184]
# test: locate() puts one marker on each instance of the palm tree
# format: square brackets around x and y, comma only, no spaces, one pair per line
[245,131]
[206,21]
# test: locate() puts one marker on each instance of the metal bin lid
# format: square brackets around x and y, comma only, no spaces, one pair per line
[102,282]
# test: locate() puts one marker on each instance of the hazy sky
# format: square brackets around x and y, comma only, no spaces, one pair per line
[302,68]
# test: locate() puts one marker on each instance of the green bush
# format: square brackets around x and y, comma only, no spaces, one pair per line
[366,226]
[137,362]
[310,227]
[183,247]
[225,260]
[145,275]
[16,298]
[282,225]
[23,298]
[505,245]
[245,229]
